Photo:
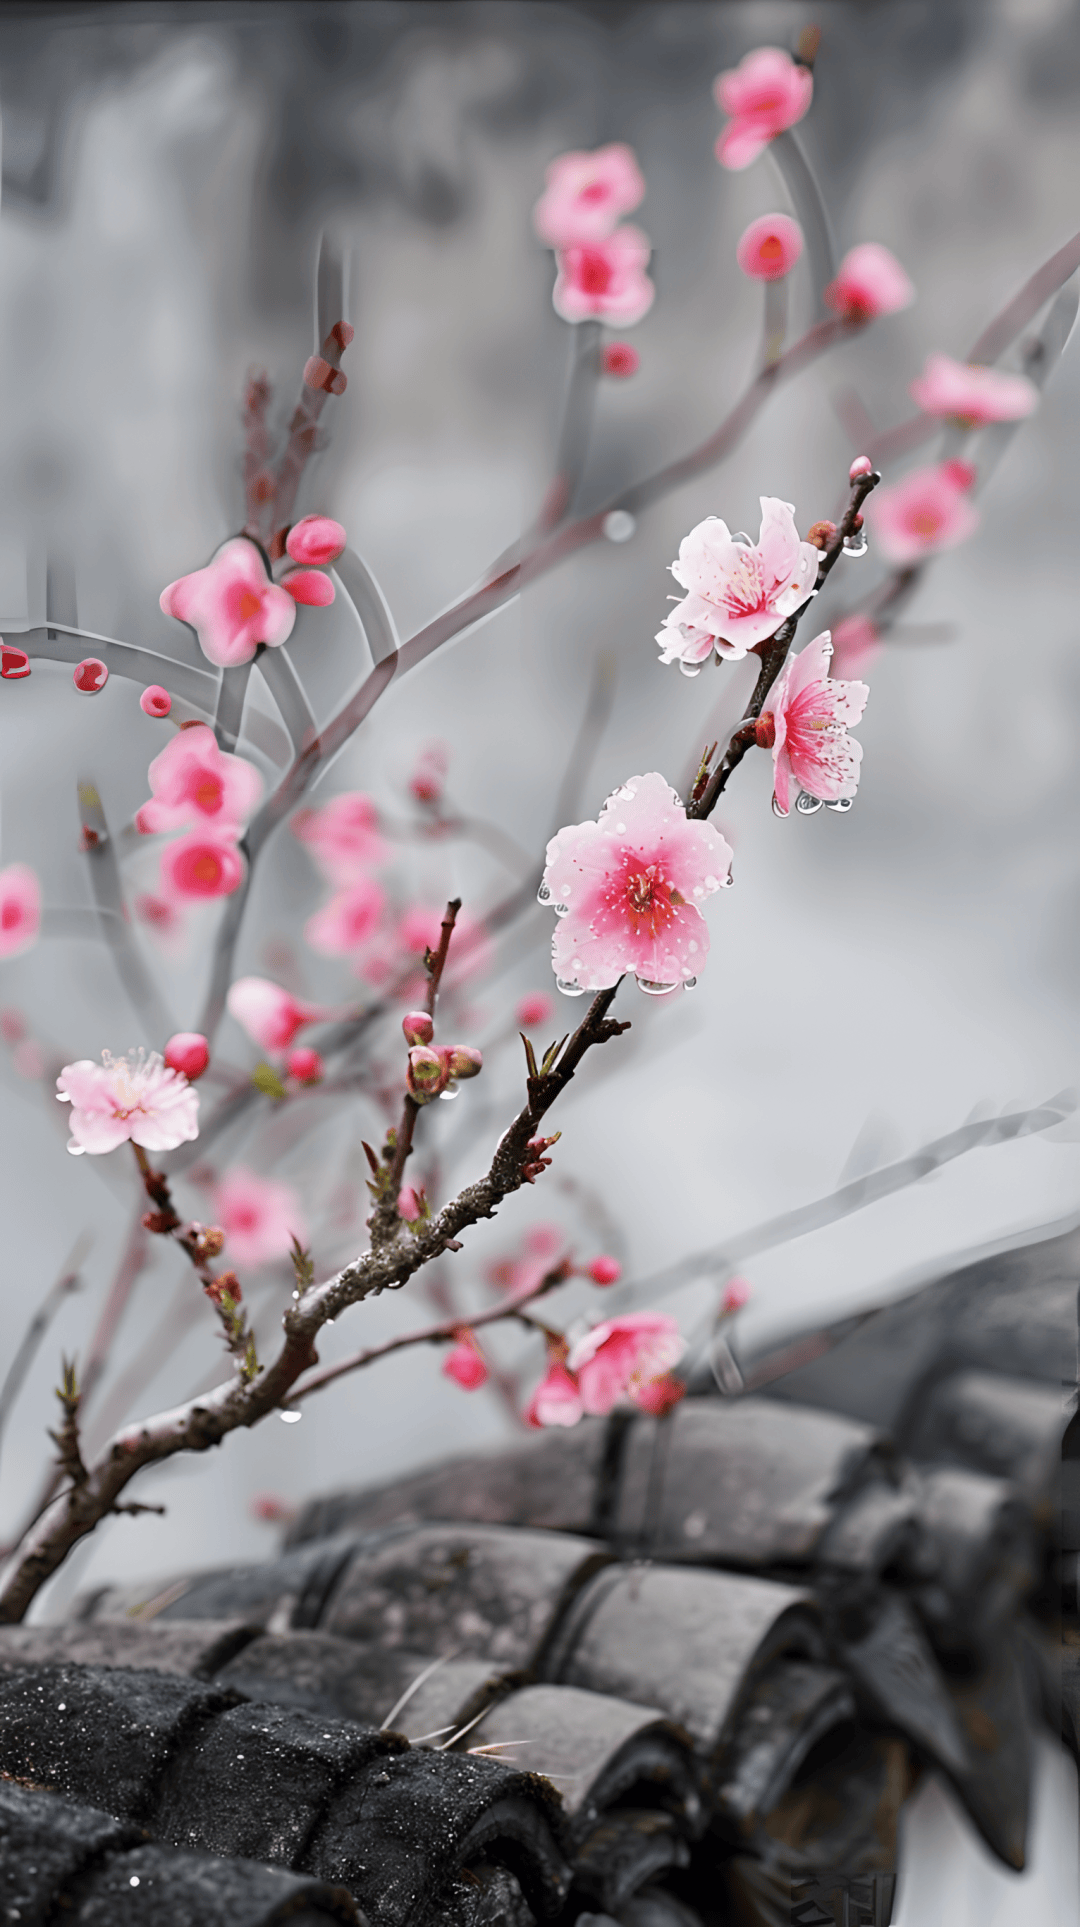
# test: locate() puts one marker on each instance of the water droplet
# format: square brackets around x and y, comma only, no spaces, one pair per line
[619,526]
[626,792]
[133,1880]
[568,988]
[655,990]
[561,909]
[620,829]
[564,890]
[691,947]
[712,883]
[448,1096]
[290,1418]
[807,805]
[543,895]
[855,544]
[689,668]
[841,804]
[689,982]
[776,808]
[699,890]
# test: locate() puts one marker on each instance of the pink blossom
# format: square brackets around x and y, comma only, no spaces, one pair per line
[310,586]
[533,1010]
[764,94]
[621,360]
[259,1216]
[466,1364]
[201,866]
[20,909]
[618,1358]
[770,247]
[928,510]
[807,719]
[737,1293]
[856,644]
[315,540]
[627,889]
[976,395]
[305,1065]
[556,1400]
[870,283]
[740,592]
[348,920]
[136,1097]
[269,1014]
[659,1395]
[232,605]
[270,1510]
[429,776]
[587,194]
[155,701]
[196,783]
[604,1271]
[189,1053]
[605,280]
[343,836]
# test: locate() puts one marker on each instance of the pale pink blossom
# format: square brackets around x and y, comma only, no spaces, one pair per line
[870,282]
[136,1097]
[766,93]
[928,510]
[259,1216]
[605,280]
[189,1053]
[315,540]
[740,592]
[232,605]
[628,889]
[856,644]
[770,247]
[976,395]
[20,909]
[343,836]
[270,1016]
[556,1400]
[200,866]
[533,1010]
[618,1358]
[587,194]
[544,1251]
[345,923]
[807,721]
[194,783]
[466,1364]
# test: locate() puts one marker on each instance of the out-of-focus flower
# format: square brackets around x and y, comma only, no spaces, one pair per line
[556,1400]
[136,1097]
[196,783]
[806,726]
[620,359]
[343,836]
[315,540]
[604,1271]
[587,194]
[628,889]
[466,1364]
[305,1065]
[766,93]
[155,701]
[740,591]
[737,1293]
[770,247]
[618,1358]
[659,1395]
[544,1252]
[259,1216]
[470,945]
[348,920]
[429,775]
[189,1053]
[29,1059]
[309,586]
[870,283]
[856,644]
[975,395]
[533,1010]
[269,1014]
[232,605]
[605,280]
[199,866]
[410,1204]
[12,1026]
[270,1510]
[926,511]
[20,909]
[90,675]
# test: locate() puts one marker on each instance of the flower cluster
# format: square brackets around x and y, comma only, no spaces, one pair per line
[234,605]
[628,1358]
[209,795]
[601,266]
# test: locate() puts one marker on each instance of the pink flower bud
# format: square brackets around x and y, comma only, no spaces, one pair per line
[318,374]
[961,474]
[315,540]
[155,701]
[13,663]
[464,1061]
[465,1364]
[427,1074]
[862,465]
[870,282]
[418,1027]
[604,1271]
[305,1065]
[310,586]
[737,1293]
[770,247]
[409,1205]
[90,675]
[189,1053]
[621,360]
[201,866]
[534,1010]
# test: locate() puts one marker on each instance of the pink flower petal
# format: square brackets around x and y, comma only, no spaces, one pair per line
[587,194]
[20,909]
[136,1097]
[232,605]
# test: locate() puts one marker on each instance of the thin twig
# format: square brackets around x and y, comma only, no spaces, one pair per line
[68,1281]
[385,1218]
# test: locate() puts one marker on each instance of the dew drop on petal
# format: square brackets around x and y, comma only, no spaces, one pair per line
[654,990]
[689,982]
[448,1096]
[806,804]
[776,808]
[726,882]
[855,544]
[712,883]
[689,668]
[290,1418]
[561,909]
[841,804]
[699,890]
[826,649]
[568,988]
[543,895]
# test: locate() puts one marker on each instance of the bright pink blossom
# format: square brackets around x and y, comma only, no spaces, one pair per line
[737,1293]
[870,282]
[928,510]
[618,1358]
[621,360]
[309,586]
[259,1216]
[764,94]
[808,717]
[628,888]
[136,1097]
[200,866]
[976,395]
[587,194]
[195,783]
[770,247]
[20,909]
[269,1014]
[189,1053]
[348,920]
[533,1010]
[232,605]
[315,540]
[659,1395]
[466,1364]
[155,701]
[605,280]
[556,1400]
[343,836]
[604,1271]
[740,591]
[856,644]
[305,1065]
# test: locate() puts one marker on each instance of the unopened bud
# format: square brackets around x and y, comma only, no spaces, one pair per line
[429,776]
[464,1061]
[621,360]
[189,1053]
[961,474]
[342,333]
[160,1221]
[862,465]
[605,1271]
[90,675]
[418,1027]
[765,730]
[225,1285]
[208,1239]
[427,1074]
[409,1204]
[155,701]
[821,534]
[305,1065]
[13,662]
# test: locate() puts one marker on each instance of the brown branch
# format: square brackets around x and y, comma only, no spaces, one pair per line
[384,1221]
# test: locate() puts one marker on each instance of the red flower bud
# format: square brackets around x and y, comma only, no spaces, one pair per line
[90,675]
[155,701]
[189,1053]
[319,374]
[13,663]
[418,1027]
[305,1065]
[862,465]
[605,1271]
[821,533]
[621,360]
